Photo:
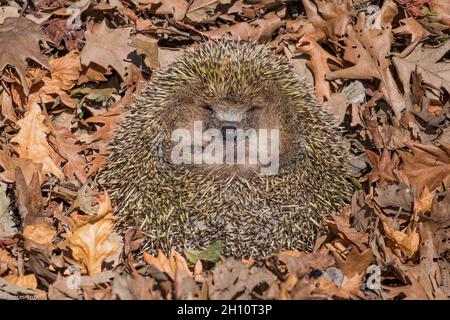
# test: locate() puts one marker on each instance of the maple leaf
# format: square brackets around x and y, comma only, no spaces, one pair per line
[107,47]
[428,165]
[23,37]
[90,242]
[32,141]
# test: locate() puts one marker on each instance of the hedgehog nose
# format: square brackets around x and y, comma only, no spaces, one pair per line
[228,131]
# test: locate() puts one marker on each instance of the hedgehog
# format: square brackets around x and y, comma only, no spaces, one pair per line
[253,208]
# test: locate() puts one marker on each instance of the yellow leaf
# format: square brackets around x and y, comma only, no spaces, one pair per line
[40,233]
[91,244]
[32,141]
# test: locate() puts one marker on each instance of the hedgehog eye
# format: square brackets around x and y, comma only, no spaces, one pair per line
[208,109]
[252,109]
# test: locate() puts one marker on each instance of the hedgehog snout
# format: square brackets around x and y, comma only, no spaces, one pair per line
[228,130]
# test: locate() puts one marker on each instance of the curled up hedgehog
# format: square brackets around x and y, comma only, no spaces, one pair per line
[281,169]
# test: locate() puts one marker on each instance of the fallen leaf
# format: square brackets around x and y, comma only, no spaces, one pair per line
[32,141]
[210,254]
[354,268]
[415,29]
[91,244]
[107,47]
[382,167]
[407,240]
[340,227]
[423,203]
[427,165]
[40,233]
[28,281]
[425,61]
[65,72]
[27,166]
[318,63]
[23,37]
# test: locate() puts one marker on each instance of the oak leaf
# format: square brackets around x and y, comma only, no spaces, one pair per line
[32,141]
[90,243]
[427,165]
[107,47]
[23,37]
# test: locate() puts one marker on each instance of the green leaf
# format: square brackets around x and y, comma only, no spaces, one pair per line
[211,254]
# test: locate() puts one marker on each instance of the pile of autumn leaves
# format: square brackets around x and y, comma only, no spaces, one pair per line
[67,73]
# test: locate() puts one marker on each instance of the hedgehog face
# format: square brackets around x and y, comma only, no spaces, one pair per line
[238,121]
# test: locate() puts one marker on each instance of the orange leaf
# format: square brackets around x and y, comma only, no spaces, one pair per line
[32,141]
[91,244]
[40,233]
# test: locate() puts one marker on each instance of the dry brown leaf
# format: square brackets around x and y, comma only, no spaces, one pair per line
[69,147]
[27,166]
[6,107]
[175,266]
[415,29]
[7,262]
[175,8]
[368,50]
[354,269]
[65,73]
[23,37]
[90,243]
[202,11]
[382,167]
[329,18]
[340,227]
[107,47]
[32,141]
[442,8]
[425,61]
[318,64]
[427,166]
[148,47]
[406,240]
[258,30]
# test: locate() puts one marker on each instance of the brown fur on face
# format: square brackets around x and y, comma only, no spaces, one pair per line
[265,109]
